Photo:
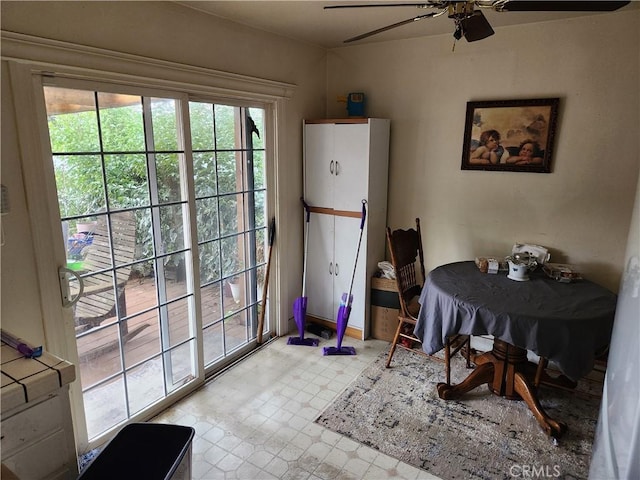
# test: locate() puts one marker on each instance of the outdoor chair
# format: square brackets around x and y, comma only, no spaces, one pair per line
[103,298]
[405,247]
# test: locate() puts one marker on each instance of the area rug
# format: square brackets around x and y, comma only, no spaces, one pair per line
[480,436]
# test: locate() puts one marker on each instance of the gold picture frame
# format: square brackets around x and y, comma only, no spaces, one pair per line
[510,135]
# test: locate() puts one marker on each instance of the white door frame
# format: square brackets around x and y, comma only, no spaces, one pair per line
[29,60]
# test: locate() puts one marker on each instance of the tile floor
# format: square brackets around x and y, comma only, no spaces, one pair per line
[256,420]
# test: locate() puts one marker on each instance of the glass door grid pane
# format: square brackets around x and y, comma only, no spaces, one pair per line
[144,348]
[123,211]
[229,174]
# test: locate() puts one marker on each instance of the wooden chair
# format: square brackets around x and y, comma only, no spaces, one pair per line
[405,247]
[102,297]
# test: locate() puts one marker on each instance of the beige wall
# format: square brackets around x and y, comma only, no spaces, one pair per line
[581,210]
[168,32]
[21,311]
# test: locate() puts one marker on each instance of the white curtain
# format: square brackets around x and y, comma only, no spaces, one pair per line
[616,449]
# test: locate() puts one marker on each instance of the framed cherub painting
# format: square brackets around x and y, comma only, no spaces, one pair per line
[510,135]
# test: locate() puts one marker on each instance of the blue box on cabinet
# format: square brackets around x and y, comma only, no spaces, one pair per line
[355,104]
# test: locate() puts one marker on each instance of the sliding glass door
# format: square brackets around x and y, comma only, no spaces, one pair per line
[162,202]
[230,201]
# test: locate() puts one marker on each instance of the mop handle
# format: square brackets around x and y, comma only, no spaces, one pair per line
[306,246]
[353,276]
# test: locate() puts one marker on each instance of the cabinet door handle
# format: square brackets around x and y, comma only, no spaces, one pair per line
[337,168]
[337,269]
[331,167]
[330,268]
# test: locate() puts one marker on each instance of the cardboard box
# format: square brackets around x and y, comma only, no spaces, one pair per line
[384,322]
[384,293]
[385,308]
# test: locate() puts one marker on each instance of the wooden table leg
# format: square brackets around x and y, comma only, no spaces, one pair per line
[505,369]
[482,374]
[552,427]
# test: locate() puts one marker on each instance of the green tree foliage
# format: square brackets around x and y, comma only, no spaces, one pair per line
[82,166]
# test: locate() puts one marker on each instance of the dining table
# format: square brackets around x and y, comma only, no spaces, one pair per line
[563,323]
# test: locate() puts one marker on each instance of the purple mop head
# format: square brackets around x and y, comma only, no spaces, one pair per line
[307,342]
[299,314]
[341,324]
[338,351]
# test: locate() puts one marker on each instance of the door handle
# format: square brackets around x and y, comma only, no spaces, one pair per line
[67,300]
[331,167]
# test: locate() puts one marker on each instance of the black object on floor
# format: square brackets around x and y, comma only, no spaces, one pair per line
[325,333]
[153,451]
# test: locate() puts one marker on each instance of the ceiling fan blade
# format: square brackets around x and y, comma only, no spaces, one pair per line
[560,6]
[395,25]
[370,5]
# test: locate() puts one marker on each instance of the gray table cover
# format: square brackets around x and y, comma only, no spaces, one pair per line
[564,322]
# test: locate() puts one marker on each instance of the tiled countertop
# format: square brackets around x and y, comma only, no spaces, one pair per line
[26,379]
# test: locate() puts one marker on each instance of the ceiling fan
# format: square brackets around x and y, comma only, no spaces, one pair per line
[471,23]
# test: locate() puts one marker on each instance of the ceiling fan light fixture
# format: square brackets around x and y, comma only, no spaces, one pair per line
[476,27]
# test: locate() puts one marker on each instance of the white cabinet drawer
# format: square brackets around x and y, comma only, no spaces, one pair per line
[41,460]
[31,424]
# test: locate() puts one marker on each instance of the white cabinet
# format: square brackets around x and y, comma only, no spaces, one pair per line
[336,175]
[345,161]
[37,431]
[333,241]
[37,438]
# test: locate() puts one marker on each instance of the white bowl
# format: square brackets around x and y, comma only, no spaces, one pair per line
[518,272]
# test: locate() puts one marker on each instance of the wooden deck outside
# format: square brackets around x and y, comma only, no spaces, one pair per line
[99,348]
